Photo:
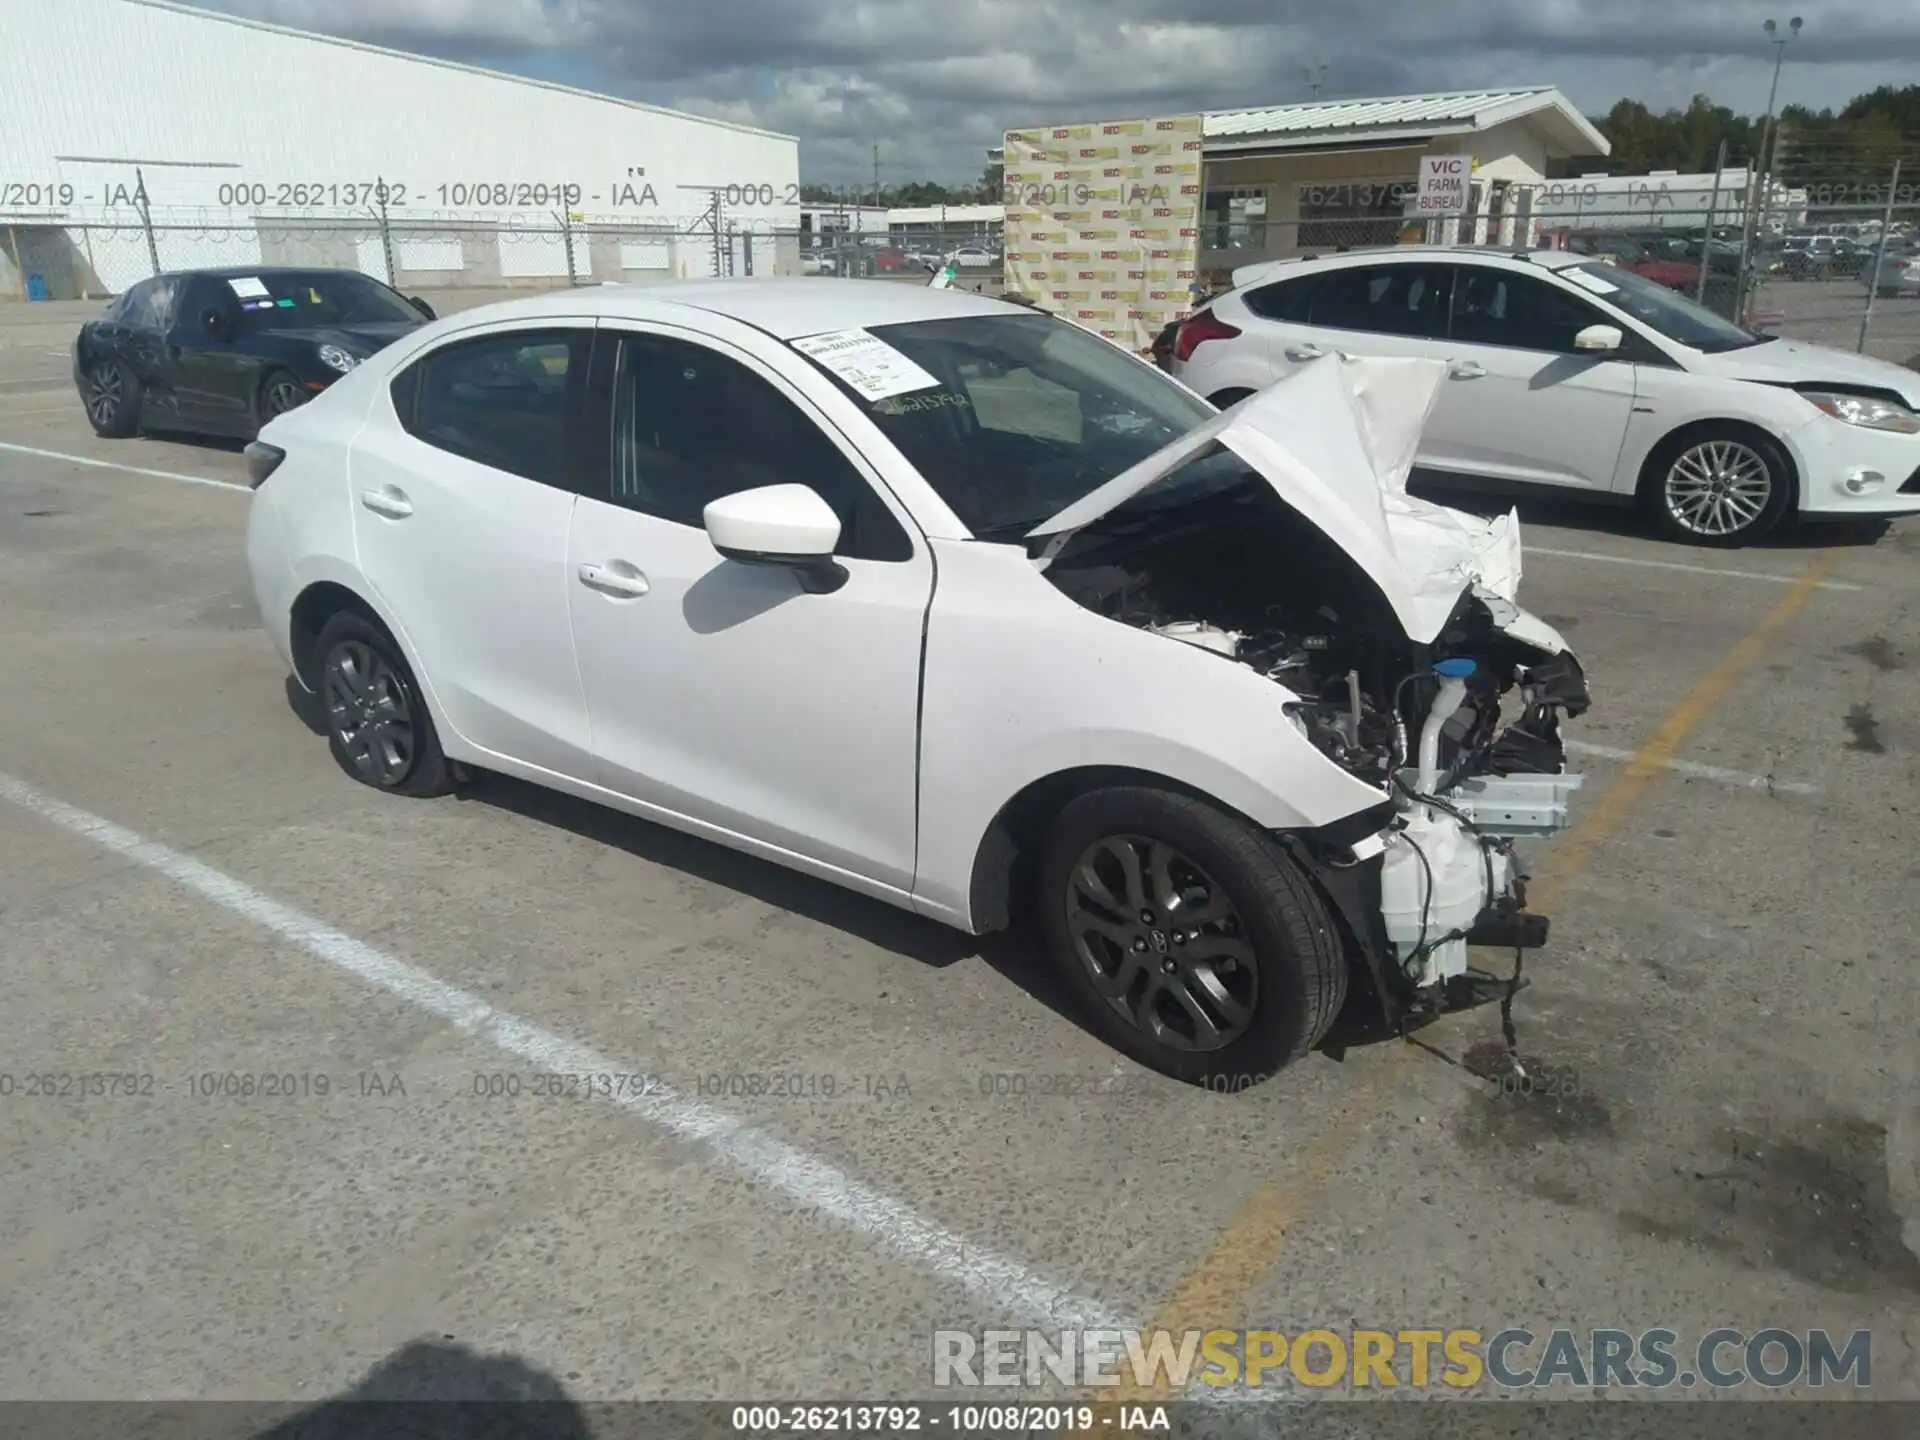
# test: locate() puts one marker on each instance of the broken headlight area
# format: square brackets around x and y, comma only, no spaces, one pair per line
[1461,735]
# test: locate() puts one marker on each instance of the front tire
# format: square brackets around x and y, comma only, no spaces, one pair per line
[279,393]
[1718,485]
[112,395]
[1191,939]
[378,727]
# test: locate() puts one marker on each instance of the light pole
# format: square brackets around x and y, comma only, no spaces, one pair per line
[1759,170]
[1315,79]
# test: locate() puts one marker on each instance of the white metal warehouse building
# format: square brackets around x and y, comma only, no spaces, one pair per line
[136,132]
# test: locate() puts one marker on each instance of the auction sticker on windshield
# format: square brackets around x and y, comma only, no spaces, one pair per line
[248,288]
[866,362]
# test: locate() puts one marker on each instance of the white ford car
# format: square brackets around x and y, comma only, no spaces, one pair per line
[1565,371]
[956,605]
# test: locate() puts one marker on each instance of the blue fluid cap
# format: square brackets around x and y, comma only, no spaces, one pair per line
[1458,668]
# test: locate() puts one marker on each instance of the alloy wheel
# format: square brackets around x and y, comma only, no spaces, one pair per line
[104,394]
[1162,943]
[370,712]
[1718,488]
[284,395]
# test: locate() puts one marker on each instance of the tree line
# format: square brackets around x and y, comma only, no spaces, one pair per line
[1857,143]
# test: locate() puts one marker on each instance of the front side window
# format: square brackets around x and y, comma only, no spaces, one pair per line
[691,425]
[1027,414]
[1654,305]
[499,401]
[1498,307]
[1383,299]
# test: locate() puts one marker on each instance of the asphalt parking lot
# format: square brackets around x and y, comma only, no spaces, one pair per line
[190,891]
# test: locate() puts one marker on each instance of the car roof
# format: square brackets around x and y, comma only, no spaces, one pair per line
[1260,272]
[237,272]
[783,307]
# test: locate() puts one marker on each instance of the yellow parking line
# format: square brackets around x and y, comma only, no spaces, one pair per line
[1212,1294]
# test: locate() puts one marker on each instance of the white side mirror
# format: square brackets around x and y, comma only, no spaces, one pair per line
[783,525]
[1599,337]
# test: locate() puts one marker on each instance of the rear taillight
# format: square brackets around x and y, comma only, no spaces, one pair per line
[262,460]
[1197,331]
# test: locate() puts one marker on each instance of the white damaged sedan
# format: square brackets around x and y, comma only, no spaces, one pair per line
[958,606]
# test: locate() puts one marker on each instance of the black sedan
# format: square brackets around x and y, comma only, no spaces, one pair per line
[224,351]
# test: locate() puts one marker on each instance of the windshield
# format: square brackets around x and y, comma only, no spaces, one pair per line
[1667,311]
[316,299]
[1029,414]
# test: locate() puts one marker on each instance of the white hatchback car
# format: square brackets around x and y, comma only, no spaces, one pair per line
[1568,372]
[945,601]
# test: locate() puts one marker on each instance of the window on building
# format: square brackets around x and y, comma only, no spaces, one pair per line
[1234,220]
[1351,213]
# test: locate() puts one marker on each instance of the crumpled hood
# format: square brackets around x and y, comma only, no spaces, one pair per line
[1337,439]
[1794,362]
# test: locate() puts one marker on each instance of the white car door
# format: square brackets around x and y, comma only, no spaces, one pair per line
[462,497]
[723,692]
[1521,403]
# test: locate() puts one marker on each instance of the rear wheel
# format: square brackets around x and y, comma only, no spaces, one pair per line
[1192,939]
[378,727]
[112,394]
[1717,485]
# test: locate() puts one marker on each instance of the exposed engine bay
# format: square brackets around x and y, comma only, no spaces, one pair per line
[1462,736]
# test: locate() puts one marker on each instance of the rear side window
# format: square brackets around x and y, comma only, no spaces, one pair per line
[148,305]
[1282,300]
[500,401]
[1383,299]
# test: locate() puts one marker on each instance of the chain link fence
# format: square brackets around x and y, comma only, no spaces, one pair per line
[66,259]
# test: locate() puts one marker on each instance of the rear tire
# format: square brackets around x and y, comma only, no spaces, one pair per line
[377,723]
[113,396]
[1721,485]
[1220,974]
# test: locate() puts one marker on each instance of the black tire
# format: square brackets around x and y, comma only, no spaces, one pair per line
[378,727]
[1225,399]
[112,395]
[1666,510]
[280,391]
[1298,969]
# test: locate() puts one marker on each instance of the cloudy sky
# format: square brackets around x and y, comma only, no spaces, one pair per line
[936,81]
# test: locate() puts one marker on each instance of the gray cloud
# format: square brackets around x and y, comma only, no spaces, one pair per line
[936,83]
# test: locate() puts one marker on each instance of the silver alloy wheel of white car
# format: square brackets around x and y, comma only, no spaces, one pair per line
[1717,488]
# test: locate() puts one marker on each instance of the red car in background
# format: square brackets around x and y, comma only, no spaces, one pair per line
[1630,254]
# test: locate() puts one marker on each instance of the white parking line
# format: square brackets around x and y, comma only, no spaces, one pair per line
[127,469]
[1688,569]
[1741,778]
[805,1179]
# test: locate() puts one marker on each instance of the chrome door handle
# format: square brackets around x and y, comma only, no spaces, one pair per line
[625,580]
[1304,352]
[387,501]
[1466,370]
